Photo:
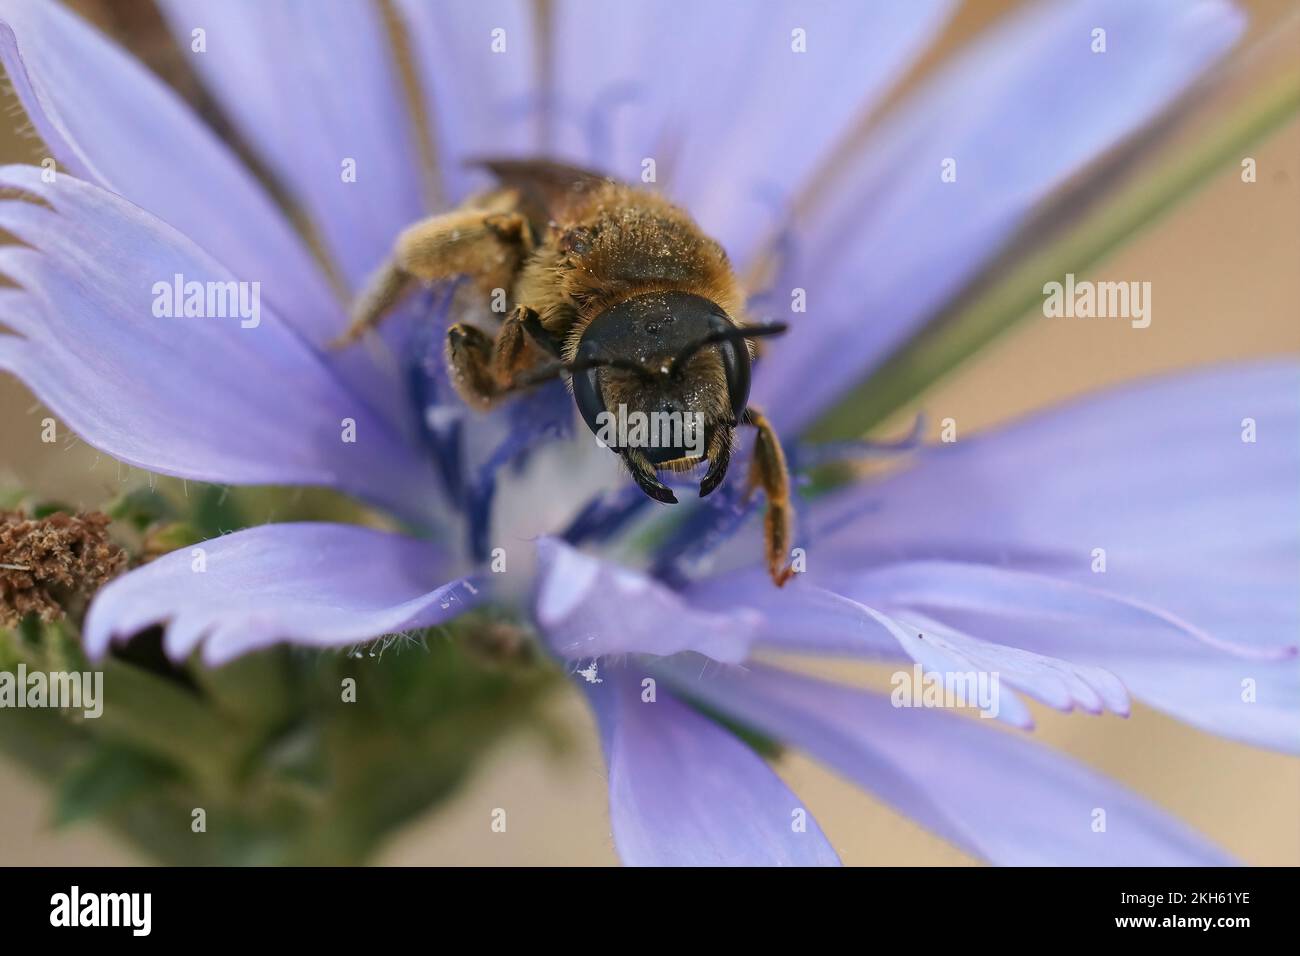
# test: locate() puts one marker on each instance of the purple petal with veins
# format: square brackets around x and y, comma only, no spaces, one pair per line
[313,85]
[995,794]
[200,398]
[887,241]
[321,585]
[588,608]
[685,792]
[697,91]
[480,85]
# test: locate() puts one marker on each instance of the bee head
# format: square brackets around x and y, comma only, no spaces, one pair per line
[663,377]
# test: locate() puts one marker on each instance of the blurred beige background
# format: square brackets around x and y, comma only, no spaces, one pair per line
[1225,271]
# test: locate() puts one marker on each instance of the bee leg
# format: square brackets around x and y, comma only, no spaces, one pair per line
[518,346]
[469,355]
[484,369]
[768,471]
[644,474]
[386,287]
[532,323]
[488,244]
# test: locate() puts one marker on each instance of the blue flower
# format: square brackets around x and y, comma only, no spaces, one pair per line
[976,557]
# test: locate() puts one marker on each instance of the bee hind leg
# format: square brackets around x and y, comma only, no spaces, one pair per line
[386,287]
[487,243]
[768,471]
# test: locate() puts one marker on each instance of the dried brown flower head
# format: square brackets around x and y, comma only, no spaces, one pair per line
[44,562]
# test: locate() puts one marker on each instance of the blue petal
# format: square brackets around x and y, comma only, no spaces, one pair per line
[801,617]
[996,795]
[736,108]
[109,121]
[582,609]
[996,535]
[480,85]
[685,792]
[203,398]
[323,585]
[887,242]
[868,614]
[585,609]
[1250,693]
[313,85]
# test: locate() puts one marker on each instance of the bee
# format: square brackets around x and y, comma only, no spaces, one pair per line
[619,290]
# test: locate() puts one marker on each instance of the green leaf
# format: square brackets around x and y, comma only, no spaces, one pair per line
[108,777]
[158,715]
[140,508]
[11,498]
[31,631]
[285,767]
[215,511]
[171,537]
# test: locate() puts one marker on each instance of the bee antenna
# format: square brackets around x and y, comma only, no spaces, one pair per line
[547,372]
[723,335]
[623,365]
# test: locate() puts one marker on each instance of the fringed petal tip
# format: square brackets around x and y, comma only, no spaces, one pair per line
[319,585]
[1166,553]
[108,307]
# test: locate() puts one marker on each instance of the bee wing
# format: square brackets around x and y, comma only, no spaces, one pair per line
[548,189]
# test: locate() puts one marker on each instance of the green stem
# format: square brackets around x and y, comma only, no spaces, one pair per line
[940,348]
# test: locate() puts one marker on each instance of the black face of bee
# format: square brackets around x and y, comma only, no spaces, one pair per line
[653,338]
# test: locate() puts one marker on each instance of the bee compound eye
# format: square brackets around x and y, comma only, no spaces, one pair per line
[587,394]
[657,324]
[735,363]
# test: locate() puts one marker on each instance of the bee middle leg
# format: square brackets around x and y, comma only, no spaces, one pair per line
[488,243]
[768,471]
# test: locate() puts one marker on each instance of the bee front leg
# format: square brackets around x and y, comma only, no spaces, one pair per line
[768,470]
[484,370]
[469,355]
[488,244]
